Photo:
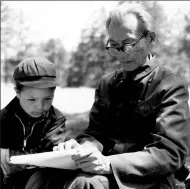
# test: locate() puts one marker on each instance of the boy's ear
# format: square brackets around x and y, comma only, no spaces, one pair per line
[17,93]
[16,90]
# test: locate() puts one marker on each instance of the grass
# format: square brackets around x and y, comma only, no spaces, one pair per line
[75,124]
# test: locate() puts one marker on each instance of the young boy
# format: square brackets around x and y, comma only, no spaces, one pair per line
[29,123]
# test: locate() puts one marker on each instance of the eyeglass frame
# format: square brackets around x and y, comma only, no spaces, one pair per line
[123,46]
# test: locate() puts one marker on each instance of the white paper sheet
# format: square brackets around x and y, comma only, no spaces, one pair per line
[54,159]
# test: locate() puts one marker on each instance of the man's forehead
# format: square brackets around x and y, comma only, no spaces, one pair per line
[119,31]
[127,27]
[129,21]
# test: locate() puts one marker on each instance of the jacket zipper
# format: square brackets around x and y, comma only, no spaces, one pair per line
[24,131]
[32,129]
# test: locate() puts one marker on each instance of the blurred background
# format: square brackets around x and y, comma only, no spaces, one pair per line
[72,35]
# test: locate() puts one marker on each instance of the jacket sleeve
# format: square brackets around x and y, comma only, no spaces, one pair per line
[95,130]
[159,159]
[169,150]
[53,135]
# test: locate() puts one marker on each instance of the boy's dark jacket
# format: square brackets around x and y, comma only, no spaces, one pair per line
[22,134]
[142,120]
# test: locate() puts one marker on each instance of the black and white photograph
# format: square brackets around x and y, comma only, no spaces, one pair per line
[95,95]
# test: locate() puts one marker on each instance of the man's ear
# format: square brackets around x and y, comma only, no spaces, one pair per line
[152,36]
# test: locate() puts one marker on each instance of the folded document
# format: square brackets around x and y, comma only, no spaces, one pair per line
[54,159]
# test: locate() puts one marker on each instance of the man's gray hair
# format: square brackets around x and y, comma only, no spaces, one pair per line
[119,14]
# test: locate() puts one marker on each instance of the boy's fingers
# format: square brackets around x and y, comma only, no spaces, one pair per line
[55,148]
[61,146]
[71,145]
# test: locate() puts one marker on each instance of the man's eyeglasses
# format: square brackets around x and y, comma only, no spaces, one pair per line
[127,48]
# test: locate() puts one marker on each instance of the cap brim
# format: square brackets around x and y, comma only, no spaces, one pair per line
[40,84]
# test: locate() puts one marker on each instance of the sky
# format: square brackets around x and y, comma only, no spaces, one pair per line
[66,19]
[59,19]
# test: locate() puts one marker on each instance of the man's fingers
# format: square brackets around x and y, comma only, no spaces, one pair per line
[82,165]
[92,169]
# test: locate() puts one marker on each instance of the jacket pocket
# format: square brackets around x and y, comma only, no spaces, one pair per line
[146,107]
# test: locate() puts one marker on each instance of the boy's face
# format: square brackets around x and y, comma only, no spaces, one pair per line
[35,101]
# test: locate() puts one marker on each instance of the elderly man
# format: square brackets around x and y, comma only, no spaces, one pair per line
[138,133]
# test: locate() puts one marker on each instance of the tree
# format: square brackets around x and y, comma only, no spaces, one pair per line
[54,51]
[184,50]
[172,50]
[90,61]
[159,24]
[185,42]
[13,39]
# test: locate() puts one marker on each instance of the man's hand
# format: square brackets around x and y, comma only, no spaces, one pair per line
[87,157]
[91,160]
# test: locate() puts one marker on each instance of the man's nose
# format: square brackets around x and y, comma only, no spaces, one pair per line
[122,54]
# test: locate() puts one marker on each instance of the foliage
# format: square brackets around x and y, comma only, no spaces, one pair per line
[171,51]
[184,50]
[75,124]
[185,42]
[54,51]
[13,29]
[90,61]
[13,38]
[16,47]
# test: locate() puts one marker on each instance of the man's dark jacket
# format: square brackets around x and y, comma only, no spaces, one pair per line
[142,119]
[22,134]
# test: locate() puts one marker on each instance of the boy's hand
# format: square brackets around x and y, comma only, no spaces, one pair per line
[68,145]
